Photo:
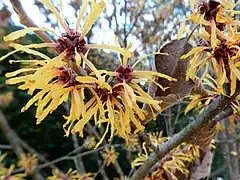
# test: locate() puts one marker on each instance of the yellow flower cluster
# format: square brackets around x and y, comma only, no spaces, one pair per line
[71,174]
[28,162]
[6,99]
[116,97]
[110,156]
[173,162]
[90,142]
[218,48]
[200,101]
[6,173]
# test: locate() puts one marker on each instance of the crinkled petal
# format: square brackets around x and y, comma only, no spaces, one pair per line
[97,9]
[21,33]
[124,52]
[81,13]
[20,47]
[9,54]
[14,73]
[60,19]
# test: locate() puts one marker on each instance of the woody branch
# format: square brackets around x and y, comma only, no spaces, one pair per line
[27,21]
[216,111]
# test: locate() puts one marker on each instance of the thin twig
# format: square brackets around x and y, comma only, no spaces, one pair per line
[26,146]
[91,130]
[86,153]
[78,161]
[99,170]
[218,141]
[68,157]
[177,117]
[220,170]
[115,16]
[136,18]
[12,137]
[116,165]
[5,146]
[76,150]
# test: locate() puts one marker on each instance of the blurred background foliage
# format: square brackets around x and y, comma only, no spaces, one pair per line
[148,24]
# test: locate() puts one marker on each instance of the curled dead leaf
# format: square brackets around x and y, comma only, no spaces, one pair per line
[173,66]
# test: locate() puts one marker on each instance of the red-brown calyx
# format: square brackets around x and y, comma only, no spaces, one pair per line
[124,74]
[210,10]
[71,43]
[66,77]
[103,93]
[224,52]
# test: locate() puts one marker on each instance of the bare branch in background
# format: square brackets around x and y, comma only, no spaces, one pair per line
[78,162]
[27,21]
[136,18]
[12,137]
[115,16]
[219,171]
[97,135]
[6,147]
[70,157]
[17,144]
[125,24]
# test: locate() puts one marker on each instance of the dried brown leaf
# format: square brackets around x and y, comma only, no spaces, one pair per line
[173,66]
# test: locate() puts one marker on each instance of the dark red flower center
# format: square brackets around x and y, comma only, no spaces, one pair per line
[124,73]
[7,178]
[224,52]
[66,76]
[102,93]
[210,10]
[71,43]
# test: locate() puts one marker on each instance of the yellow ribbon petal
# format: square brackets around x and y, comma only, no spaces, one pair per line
[21,33]
[97,9]
[60,19]
[81,13]
[20,47]
[124,52]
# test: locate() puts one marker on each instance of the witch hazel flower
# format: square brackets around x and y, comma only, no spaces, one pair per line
[118,103]
[71,41]
[218,48]
[54,79]
[116,97]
